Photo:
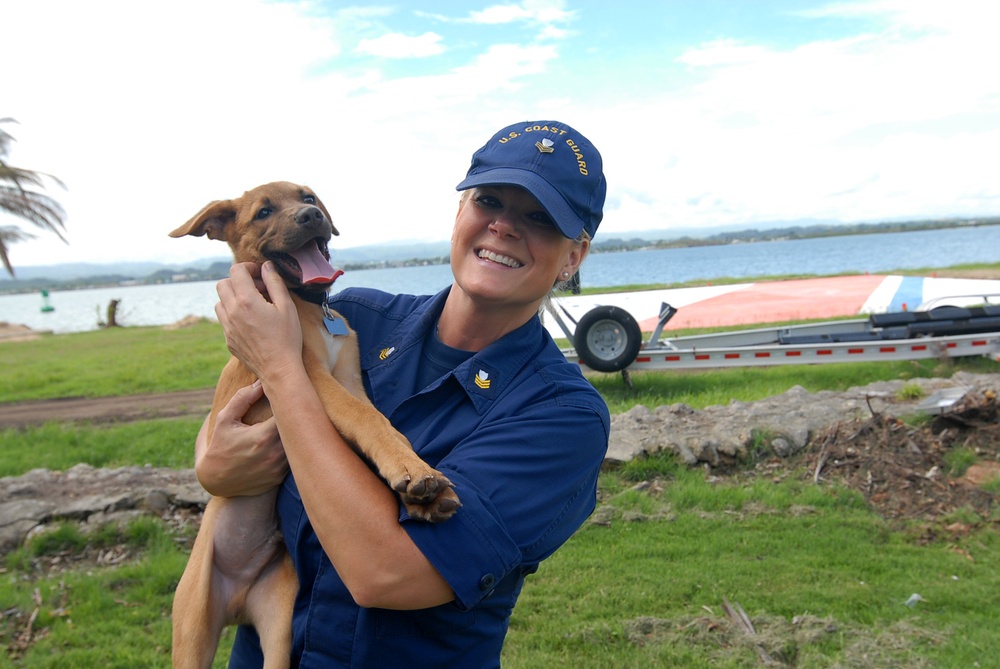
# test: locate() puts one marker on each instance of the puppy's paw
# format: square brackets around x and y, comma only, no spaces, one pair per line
[439,509]
[426,492]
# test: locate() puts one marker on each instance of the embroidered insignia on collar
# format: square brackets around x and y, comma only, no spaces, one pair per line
[482,379]
[545,146]
[386,352]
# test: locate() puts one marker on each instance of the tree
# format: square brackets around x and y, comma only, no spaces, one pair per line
[19,197]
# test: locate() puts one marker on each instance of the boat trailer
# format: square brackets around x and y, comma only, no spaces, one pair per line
[608,339]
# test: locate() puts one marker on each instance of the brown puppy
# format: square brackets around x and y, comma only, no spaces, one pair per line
[239,571]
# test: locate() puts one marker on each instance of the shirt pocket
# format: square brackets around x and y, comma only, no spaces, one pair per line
[290,510]
[438,622]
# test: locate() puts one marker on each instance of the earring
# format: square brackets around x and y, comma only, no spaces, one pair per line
[565,275]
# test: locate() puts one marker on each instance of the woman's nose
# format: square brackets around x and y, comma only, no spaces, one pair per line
[504,226]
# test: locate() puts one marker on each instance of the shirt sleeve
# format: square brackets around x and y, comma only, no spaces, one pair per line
[527,482]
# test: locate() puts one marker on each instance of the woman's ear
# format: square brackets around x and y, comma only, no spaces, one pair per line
[576,255]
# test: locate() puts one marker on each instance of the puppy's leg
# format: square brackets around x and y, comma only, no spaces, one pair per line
[198,611]
[221,571]
[269,606]
[426,492]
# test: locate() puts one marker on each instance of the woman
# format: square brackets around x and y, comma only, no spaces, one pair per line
[474,381]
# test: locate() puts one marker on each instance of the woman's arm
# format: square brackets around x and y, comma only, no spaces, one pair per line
[241,459]
[355,515]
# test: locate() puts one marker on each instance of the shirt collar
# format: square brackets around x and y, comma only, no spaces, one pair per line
[487,373]
[490,371]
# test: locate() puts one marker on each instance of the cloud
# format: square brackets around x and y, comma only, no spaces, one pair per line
[893,114]
[722,52]
[402,46]
[863,127]
[543,11]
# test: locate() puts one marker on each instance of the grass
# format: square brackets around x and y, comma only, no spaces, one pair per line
[644,584]
[822,577]
[158,443]
[97,617]
[113,362]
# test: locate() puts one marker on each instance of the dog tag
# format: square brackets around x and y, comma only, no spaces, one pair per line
[335,326]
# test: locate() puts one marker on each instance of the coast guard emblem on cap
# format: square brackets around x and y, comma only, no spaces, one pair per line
[483,379]
[545,145]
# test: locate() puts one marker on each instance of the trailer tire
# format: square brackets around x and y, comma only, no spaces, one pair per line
[607,339]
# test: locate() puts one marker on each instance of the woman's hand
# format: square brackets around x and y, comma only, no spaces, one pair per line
[240,459]
[262,326]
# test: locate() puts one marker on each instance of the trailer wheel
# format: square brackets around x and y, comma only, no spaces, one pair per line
[607,339]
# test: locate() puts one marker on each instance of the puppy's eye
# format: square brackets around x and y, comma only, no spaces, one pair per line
[309,199]
[264,213]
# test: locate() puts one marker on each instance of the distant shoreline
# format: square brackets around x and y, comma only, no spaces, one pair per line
[14,332]
[220,269]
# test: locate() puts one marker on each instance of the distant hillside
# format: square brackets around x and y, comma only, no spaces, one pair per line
[773,232]
[78,275]
[350,258]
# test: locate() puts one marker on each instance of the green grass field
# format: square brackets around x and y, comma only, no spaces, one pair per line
[821,577]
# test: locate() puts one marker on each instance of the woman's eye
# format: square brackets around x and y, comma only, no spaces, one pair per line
[488,201]
[542,218]
[263,213]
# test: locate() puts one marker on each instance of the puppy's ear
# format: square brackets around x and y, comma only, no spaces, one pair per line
[213,220]
[319,203]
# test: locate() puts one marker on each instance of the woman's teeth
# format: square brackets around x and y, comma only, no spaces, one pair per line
[503,260]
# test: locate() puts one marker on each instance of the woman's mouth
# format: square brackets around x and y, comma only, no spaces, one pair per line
[506,261]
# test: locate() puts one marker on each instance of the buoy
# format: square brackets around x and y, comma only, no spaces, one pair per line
[46,307]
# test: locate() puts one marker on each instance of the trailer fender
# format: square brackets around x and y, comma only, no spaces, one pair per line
[607,339]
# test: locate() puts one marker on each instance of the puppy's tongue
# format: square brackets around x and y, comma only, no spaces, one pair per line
[315,268]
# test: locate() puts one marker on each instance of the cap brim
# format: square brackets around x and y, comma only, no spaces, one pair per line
[569,224]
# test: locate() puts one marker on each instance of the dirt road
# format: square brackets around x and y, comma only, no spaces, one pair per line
[193,403]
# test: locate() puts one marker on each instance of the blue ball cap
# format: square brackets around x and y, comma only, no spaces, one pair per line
[553,162]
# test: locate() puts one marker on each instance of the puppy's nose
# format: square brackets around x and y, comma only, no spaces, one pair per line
[310,216]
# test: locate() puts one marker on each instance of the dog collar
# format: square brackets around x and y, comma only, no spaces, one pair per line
[316,297]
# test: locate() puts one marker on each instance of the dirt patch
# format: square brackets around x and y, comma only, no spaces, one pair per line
[11,332]
[927,472]
[983,273]
[182,404]
[775,641]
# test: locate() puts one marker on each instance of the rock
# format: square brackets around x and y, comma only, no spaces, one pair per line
[783,424]
[716,436]
[92,496]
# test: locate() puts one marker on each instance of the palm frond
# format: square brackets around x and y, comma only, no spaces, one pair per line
[36,208]
[6,139]
[10,235]
[18,198]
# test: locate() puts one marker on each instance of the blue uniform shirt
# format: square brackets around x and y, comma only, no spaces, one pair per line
[521,434]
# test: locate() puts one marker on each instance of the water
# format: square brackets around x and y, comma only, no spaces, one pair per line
[860,254]
[80,310]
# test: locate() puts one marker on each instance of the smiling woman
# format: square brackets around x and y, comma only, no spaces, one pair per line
[473,380]
[506,253]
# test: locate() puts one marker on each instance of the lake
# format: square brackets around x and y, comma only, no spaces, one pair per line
[80,310]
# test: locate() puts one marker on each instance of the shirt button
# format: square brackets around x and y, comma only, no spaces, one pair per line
[487,582]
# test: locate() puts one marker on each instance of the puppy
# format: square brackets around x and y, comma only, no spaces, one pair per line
[239,571]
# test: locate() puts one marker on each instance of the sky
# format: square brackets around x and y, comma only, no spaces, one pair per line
[706,112]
